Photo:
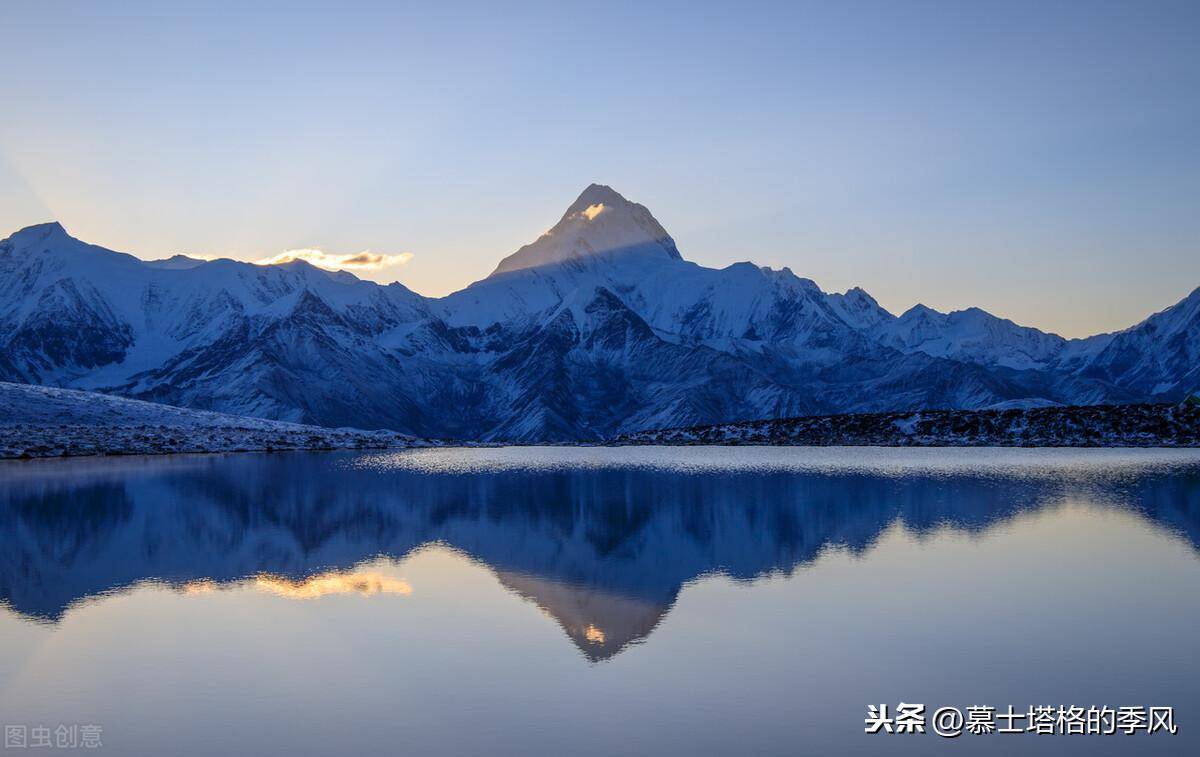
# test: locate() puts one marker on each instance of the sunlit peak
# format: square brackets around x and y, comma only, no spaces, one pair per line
[593,210]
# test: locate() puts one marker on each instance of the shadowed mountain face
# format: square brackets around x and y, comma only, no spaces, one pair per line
[597,328]
[604,550]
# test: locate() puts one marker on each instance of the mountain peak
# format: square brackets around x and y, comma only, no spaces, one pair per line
[920,310]
[177,262]
[41,231]
[600,225]
[597,194]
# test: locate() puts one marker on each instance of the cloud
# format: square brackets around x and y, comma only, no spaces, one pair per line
[361,261]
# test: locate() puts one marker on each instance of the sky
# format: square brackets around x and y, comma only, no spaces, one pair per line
[1038,159]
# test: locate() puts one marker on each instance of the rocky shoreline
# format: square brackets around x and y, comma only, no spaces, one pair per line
[1140,425]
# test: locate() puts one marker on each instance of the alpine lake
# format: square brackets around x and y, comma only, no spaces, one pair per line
[602,601]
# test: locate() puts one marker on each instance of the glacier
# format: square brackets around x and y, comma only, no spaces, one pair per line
[598,328]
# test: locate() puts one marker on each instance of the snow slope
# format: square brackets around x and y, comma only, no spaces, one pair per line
[38,421]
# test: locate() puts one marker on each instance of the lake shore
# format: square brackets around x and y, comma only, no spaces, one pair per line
[1162,425]
[29,441]
[1141,425]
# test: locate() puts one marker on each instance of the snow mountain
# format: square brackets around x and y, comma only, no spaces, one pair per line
[599,327]
[600,223]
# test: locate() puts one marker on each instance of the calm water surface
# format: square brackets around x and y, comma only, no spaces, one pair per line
[596,601]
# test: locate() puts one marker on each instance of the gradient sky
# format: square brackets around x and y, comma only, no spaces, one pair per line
[1040,160]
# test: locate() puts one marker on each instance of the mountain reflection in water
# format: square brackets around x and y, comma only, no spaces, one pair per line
[604,549]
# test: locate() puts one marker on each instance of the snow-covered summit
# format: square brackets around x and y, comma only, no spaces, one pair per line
[860,309]
[39,232]
[971,334]
[600,223]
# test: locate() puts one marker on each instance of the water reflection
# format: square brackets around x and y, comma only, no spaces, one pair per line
[604,550]
[361,582]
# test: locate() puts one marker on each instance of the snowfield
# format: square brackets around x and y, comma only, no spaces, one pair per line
[38,421]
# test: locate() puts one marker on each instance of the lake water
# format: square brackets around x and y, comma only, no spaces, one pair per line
[531,601]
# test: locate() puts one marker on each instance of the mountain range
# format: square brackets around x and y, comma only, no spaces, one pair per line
[599,327]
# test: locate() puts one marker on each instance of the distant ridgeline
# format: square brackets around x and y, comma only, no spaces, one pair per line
[1144,425]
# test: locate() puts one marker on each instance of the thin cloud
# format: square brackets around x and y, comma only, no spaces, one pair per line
[360,261]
